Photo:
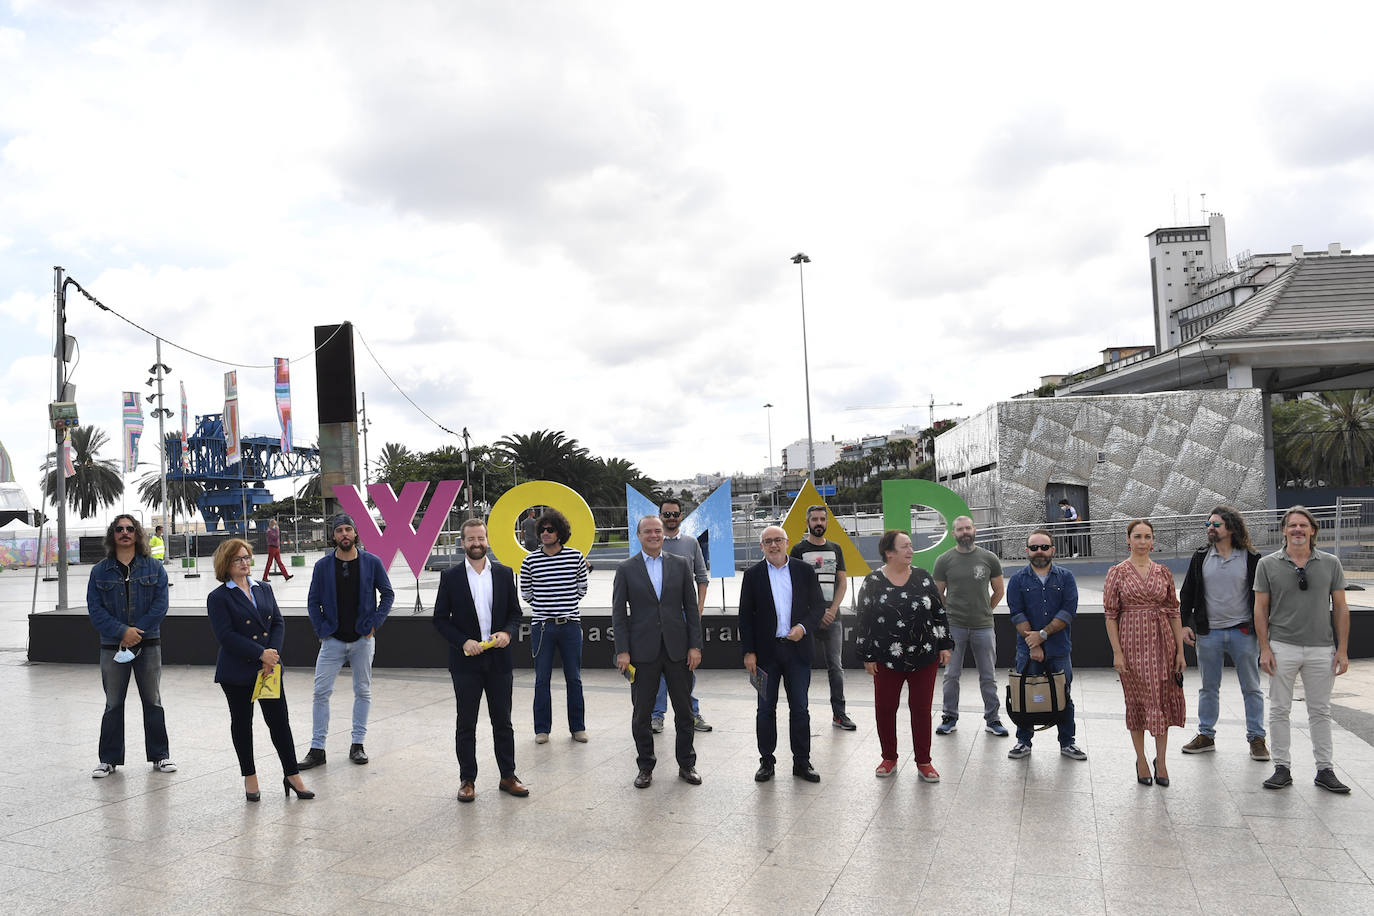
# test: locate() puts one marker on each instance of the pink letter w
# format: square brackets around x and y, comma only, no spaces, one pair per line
[398,513]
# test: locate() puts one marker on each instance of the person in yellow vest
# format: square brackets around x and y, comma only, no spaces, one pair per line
[156,546]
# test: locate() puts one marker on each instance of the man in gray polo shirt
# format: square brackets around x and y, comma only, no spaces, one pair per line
[1299,601]
[965,576]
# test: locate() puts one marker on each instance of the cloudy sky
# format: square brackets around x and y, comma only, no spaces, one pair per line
[579,215]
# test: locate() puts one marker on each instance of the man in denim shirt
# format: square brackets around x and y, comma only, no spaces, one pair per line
[126,599]
[1043,600]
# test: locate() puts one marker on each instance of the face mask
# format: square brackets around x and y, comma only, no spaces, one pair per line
[124,655]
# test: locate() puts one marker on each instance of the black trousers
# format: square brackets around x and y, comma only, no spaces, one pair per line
[790,669]
[480,676]
[644,692]
[278,722]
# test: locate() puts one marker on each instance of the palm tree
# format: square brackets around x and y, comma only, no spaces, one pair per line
[395,463]
[1328,438]
[96,483]
[544,455]
[899,452]
[184,495]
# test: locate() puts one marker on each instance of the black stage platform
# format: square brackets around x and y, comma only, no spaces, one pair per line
[410,641]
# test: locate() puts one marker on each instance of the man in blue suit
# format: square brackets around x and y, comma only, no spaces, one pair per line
[780,606]
[477,613]
[345,611]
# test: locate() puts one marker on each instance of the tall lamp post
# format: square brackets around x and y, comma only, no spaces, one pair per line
[772,491]
[799,259]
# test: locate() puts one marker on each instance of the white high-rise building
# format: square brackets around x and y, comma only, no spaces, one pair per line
[1182,258]
[827,453]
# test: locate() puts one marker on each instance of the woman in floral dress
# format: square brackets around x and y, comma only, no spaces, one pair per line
[903,638]
[1147,648]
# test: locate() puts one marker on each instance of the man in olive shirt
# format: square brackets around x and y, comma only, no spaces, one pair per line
[965,575]
[1299,601]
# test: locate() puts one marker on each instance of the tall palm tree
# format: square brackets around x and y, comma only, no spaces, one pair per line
[395,463]
[184,495]
[96,483]
[899,452]
[1329,438]
[546,454]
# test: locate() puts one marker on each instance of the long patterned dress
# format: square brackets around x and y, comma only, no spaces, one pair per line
[1141,607]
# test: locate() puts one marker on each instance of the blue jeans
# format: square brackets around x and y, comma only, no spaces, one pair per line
[333,653]
[1067,729]
[1244,651]
[983,641]
[566,638]
[146,669]
[661,701]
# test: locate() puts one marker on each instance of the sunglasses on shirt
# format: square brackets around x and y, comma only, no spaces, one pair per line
[1302,578]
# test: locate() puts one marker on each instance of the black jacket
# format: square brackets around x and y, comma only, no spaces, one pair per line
[1192,598]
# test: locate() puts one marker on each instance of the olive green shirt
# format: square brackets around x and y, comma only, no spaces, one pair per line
[1297,616]
[968,584]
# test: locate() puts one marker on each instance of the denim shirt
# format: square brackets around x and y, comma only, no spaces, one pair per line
[106,605]
[1037,604]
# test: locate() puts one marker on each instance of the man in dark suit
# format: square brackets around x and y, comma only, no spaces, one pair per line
[476,611]
[658,630]
[780,606]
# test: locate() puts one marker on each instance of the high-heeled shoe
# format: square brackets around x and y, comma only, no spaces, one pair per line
[252,796]
[288,789]
[1143,780]
[1161,781]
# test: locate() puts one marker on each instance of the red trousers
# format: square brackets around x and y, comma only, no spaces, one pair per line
[887,697]
[274,553]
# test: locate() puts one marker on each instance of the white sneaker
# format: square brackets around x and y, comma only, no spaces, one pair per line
[541,738]
[100,772]
[165,766]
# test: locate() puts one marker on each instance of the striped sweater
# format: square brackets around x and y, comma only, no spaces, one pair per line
[553,585]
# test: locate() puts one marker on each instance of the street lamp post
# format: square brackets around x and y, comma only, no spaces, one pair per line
[799,259]
[772,491]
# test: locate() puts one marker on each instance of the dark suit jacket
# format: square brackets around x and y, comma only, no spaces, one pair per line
[243,631]
[643,621]
[455,616]
[758,618]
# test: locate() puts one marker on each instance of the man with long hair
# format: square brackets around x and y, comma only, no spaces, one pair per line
[1217,604]
[553,582]
[126,599]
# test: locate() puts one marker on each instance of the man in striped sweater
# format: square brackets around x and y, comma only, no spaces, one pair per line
[553,581]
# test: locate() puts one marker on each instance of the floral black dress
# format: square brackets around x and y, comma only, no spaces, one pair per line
[902,627]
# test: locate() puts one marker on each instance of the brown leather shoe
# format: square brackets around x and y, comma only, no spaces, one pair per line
[511,785]
[467,791]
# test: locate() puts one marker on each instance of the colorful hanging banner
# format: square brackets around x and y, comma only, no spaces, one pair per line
[69,469]
[231,418]
[185,449]
[133,430]
[283,373]
[6,469]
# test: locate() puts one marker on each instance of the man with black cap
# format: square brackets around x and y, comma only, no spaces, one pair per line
[350,596]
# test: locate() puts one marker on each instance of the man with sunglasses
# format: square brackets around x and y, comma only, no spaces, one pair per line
[1043,600]
[1217,604]
[1299,606]
[126,599]
[689,548]
[350,596]
[553,582]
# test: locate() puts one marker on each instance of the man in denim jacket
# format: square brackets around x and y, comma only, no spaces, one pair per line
[1043,600]
[126,599]
[345,612]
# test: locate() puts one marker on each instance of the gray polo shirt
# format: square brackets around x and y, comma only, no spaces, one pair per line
[1223,586]
[1296,616]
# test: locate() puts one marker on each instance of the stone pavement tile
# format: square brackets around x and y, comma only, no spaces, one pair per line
[824,856]
[1035,893]
[690,891]
[837,904]
[1224,880]
[975,900]
[776,889]
[1239,903]
[1124,883]
[1351,814]
[438,886]
[1210,811]
[1318,898]
[897,881]
[1316,863]
[624,874]
[881,844]
[1292,831]
[15,877]
[1046,855]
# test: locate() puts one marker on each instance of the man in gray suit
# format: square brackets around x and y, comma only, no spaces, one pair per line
[658,630]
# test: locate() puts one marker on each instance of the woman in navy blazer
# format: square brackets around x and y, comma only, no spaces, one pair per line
[249,628]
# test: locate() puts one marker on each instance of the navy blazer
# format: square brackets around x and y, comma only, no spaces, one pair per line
[758,616]
[455,615]
[322,604]
[243,631]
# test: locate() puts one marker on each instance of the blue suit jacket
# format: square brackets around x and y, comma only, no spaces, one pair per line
[243,631]
[322,603]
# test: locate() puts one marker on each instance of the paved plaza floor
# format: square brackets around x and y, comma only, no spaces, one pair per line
[994,836]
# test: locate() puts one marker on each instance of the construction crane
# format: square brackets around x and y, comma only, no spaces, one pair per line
[931,406]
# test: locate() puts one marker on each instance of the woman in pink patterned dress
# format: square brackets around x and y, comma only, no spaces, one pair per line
[1147,648]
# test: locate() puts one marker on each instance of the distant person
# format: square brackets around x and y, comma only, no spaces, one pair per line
[1147,649]
[971,585]
[1043,600]
[553,582]
[477,612]
[274,552]
[350,596]
[157,547]
[250,631]
[529,531]
[126,599]
[1068,517]
[689,548]
[903,639]
[1217,608]
[826,559]
[780,606]
[1303,622]
[658,630]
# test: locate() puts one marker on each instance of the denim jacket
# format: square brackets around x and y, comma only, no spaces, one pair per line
[1037,604]
[106,605]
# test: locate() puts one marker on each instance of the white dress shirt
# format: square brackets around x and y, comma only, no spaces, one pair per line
[479,583]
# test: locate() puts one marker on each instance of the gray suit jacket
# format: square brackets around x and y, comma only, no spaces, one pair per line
[643,621]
